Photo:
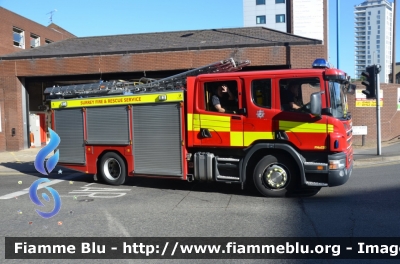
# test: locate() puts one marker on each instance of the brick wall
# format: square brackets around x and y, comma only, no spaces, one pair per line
[11,114]
[2,121]
[366,116]
[8,20]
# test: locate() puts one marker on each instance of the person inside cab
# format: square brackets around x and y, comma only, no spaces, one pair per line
[290,99]
[223,100]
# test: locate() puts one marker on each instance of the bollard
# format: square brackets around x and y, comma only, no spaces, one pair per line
[363,140]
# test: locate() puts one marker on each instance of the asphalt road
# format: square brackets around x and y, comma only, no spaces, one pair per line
[368,205]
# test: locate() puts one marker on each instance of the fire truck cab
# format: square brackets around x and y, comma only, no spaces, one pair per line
[287,131]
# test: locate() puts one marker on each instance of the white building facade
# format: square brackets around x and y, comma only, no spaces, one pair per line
[299,17]
[266,13]
[373,37]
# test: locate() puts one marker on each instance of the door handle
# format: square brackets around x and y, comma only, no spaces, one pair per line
[237,117]
[205,133]
[281,134]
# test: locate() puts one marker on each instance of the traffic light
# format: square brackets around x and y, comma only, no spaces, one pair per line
[370,82]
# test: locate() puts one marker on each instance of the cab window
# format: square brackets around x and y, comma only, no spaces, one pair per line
[261,92]
[295,93]
[221,96]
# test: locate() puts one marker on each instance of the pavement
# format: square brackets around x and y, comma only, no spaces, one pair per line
[14,162]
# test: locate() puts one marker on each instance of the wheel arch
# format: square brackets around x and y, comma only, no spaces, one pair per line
[260,150]
[108,151]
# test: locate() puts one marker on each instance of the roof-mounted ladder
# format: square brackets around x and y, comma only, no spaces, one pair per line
[150,85]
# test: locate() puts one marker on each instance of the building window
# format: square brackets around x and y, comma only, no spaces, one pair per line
[260,19]
[378,36]
[378,41]
[279,1]
[260,2]
[378,22]
[280,18]
[369,56]
[369,62]
[369,27]
[379,11]
[48,41]
[368,23]
[369,32]
[378,47]
[35,41]
[378,16]
[379,26]
[368,37]
[369,13]
[19,38]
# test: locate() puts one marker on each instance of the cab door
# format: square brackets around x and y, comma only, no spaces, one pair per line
[216,129]
[299,126]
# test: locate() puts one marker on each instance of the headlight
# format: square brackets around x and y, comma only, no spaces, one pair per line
[337,164]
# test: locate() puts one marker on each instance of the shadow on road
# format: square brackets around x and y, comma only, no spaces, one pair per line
[28,168]
[211,187]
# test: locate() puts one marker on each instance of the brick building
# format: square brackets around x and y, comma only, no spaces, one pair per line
[24,75]
[18,33]
[366,116]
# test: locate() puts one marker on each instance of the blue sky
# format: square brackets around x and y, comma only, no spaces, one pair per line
[101,17]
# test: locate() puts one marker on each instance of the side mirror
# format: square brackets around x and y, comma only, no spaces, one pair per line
[350,89]
[316,104]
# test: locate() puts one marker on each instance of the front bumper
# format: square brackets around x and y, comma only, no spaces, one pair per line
[339,177]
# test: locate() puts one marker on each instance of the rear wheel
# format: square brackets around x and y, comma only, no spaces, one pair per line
[112,169]
[274,176]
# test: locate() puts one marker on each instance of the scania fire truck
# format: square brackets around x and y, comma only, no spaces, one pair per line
[169,128]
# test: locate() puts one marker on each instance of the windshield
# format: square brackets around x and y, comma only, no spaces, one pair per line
[338,100]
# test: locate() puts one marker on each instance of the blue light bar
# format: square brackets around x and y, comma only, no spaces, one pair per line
[321,63]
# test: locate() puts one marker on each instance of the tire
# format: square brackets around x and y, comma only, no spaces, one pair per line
[274,176]
[112,169]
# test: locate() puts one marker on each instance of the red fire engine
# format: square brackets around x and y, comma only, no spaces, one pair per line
[171,128]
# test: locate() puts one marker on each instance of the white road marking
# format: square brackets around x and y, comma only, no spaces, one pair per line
[114,223]
[25,191]
[97,192]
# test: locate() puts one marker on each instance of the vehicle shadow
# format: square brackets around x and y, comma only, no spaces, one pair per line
[28,168]
[208,187]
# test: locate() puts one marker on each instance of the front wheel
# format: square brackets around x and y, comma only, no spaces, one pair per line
[274,177]
[112,169]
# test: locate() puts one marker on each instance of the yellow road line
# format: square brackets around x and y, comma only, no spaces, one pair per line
[15,157]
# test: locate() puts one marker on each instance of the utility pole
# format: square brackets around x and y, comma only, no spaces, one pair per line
[394,44]
[378,110]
